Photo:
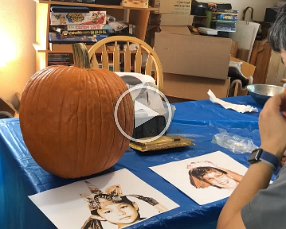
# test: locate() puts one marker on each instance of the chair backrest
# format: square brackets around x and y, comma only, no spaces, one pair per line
[126,54]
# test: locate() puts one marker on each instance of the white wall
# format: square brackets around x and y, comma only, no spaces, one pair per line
[17,34]
[258,5]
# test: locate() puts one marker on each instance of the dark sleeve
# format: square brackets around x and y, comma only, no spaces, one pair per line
[268,208]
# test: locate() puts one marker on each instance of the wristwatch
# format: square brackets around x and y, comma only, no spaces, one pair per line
[259,154]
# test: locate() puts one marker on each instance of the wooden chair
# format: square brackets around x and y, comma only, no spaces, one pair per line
[248,71]
[126,54]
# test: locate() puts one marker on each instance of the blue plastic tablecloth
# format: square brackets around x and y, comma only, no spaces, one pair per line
[21,176]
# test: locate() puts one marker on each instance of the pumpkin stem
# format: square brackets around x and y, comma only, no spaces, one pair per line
[80,55]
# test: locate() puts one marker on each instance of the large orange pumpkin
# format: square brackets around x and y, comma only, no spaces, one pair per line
[67,120]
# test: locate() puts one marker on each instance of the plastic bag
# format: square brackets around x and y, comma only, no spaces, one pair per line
[234,143]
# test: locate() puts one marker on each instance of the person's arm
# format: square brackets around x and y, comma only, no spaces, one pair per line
[272,125]
[256,178]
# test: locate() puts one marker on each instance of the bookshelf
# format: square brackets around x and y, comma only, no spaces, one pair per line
[136,16]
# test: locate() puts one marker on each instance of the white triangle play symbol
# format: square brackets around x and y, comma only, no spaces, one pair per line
[147,114]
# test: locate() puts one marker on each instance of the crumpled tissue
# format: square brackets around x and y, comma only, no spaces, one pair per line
[237,107]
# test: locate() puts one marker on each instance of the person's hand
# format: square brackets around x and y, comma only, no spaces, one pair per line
[272,125]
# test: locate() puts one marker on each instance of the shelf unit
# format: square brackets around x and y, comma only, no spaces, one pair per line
[136,16]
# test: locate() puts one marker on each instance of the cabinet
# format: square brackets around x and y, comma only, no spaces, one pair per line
[260,57]
[136,16]
[276,71]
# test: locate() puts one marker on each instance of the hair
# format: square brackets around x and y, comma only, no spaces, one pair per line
[114,195]
[95,204]
[277,34]
[113,198]
[200,172]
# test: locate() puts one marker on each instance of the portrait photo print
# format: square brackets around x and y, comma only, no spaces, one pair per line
[206,178]
[114,200]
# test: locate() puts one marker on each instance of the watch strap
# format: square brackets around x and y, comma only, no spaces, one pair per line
[264,156]
[271,159]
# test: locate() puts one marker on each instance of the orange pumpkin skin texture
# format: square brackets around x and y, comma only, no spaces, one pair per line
[67,120]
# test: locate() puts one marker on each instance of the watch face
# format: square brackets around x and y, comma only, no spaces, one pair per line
[255,155]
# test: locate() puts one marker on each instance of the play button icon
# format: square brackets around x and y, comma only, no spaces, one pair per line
[146,111]
[143,113]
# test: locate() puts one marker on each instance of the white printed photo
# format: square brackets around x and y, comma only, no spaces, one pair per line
[206,178]
[115,200]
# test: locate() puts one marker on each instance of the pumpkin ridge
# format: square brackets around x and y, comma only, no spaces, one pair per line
[92,134]
[127,124]
[87,133]
[54,82]
[91,137]
[96,88]
[80,149]
[113,94]
[124,120]
[35,94]
[99,121]
[82,124]
[117,80]
[36,88]
[60,76]
[108,140]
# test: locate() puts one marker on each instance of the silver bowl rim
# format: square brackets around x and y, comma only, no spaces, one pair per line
[251,88]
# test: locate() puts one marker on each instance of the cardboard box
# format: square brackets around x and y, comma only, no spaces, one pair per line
[176,12]
[192,55]
[135,3]
[194,88]
[175,6]
[175,29]
[176,19]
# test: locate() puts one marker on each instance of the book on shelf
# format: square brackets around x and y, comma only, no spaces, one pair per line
[100,29]
[64,47]
[224,26]
[58,39]
[228,17]
[66,9]
[59,63]
[225,11]
[66,0]
[79,1]
[60,59]
[222,20]
[85,27]
[75,33]
[90,18]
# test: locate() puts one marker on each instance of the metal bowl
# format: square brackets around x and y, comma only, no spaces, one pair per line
[262,92]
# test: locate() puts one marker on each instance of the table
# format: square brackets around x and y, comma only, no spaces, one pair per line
[21,176]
